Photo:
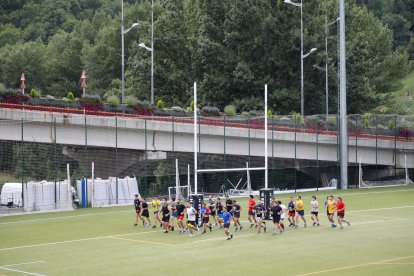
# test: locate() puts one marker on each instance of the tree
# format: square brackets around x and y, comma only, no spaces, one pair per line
[28,58]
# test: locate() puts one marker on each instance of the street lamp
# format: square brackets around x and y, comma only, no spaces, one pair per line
[302,56]
[326,63]
[123,32]
[151,49]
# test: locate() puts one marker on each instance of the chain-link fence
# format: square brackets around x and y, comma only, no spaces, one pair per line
[303,152]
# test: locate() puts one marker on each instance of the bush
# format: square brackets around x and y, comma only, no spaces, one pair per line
[192,105]
[177,108]
[210,111]
[160,103]
[91,103]
[230,110]
[245,113]
[35,93]
[2,88]
[70,96]
[144,110]
[15,97]
[269,113]
[131,101]
[299,119]
[112,101]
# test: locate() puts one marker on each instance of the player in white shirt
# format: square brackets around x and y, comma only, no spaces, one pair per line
[314,211]
[191,218]
[282,216]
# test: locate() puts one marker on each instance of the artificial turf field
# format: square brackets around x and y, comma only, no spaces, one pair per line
[104,242]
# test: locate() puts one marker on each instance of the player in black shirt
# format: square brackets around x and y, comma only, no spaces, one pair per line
[276,211]
[219,210]
[229,205]
[165,213]
[236,216]
[145,212]
[180,215]
[137,205]
[260,214]
[212,206]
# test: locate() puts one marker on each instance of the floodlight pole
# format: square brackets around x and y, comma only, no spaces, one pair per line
[343,112]
[195,138]
[266,153]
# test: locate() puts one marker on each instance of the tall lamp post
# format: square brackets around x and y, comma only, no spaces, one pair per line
[123,32]
[302,56]
[151,49]
[326,63]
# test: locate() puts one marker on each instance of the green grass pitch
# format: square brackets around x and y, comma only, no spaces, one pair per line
[105,242]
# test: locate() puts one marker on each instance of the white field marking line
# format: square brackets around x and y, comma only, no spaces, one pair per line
[21,271]
[380,217]
[62,217]
[380,209]
[116,212]
[216,239]
[77,240]
[396,263]
[35,262]
[353,266]
[141,241]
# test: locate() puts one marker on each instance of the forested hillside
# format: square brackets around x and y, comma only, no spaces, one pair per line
[231,48]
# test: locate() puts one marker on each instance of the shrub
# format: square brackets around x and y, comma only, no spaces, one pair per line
[230,110]
[160,103]
[192,105]
[35,93]
[210,111]
[245,113]
[144,110]
[269,113]
[15,97]
[70,96]
[299,119]
[50,97]
[2,88]
[177,108]
[91,103]
[131,101]
[112,101]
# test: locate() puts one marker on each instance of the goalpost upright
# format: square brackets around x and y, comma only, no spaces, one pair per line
[196,170]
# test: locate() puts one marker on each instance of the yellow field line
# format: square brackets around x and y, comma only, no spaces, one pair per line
[354,266]
[140,241]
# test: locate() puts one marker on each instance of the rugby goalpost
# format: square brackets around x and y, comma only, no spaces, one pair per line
[386,183]
[180,192]
[247,169]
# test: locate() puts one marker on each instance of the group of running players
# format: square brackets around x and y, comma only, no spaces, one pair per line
[223,214]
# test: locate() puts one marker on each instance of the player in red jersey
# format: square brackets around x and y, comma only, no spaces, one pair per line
[340,210]
[251,217]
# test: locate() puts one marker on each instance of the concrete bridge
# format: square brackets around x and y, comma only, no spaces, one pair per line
[155,136]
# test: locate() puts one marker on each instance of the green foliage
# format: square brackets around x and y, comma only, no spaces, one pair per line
[210,111]
[160,103]
[269,113]
[177,108]
[131,101]
[70,96]
[34,93]
[299,119]
[112,100]
[192,105]
[230,47]
[230,110]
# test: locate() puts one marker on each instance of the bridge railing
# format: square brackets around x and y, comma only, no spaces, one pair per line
[41,150]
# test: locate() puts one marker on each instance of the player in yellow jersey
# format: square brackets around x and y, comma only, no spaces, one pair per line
[331,205]
[156,204]
[300,211]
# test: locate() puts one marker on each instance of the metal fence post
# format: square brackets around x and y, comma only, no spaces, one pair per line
[295,159]
[145,153]
[273,146]
[55,159]
[116,158]
[22,164]
[376,147]
[317,159]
